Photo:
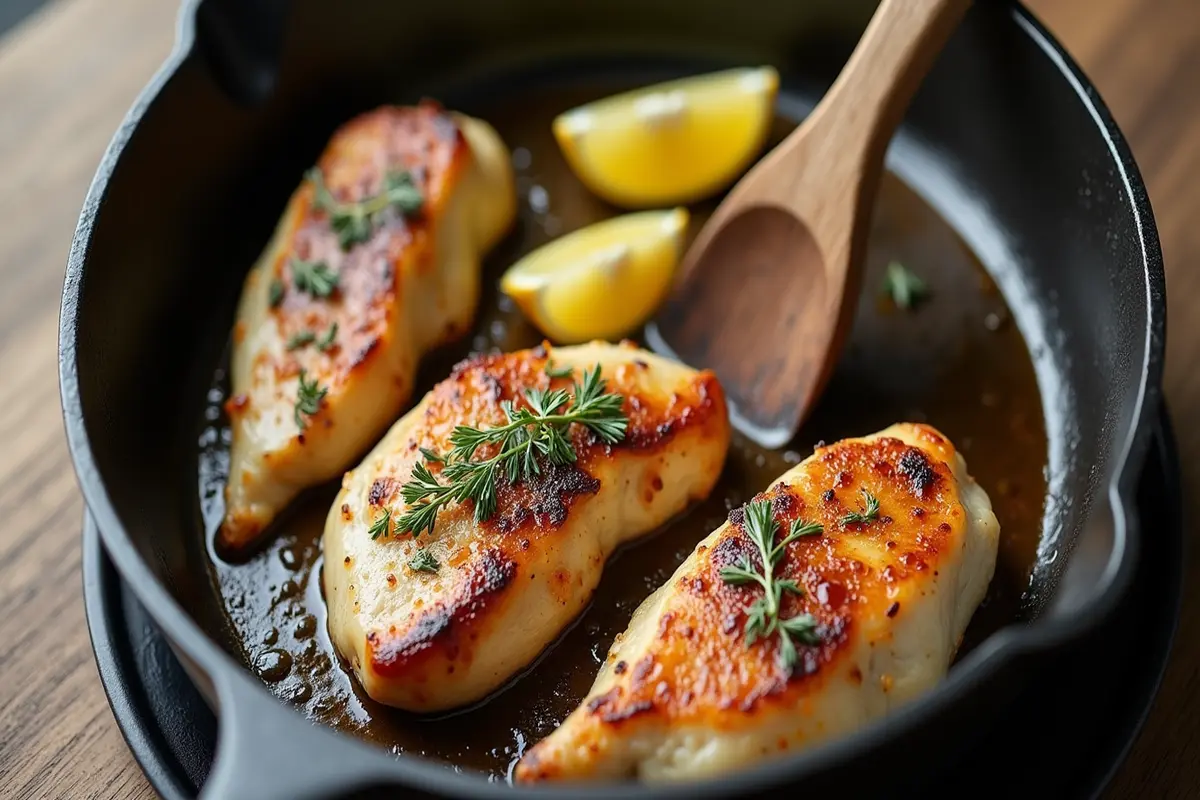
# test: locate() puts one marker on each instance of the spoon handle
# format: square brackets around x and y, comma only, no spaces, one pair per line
[900,44]
[826,172]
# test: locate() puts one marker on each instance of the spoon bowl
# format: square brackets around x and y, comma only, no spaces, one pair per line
[735,281]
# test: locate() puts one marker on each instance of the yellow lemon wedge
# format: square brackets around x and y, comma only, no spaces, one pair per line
[670,143]
[601,281]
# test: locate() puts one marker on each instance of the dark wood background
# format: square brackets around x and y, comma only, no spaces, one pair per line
[67,75]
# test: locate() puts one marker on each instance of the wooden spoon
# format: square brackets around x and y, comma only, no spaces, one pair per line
[766,294]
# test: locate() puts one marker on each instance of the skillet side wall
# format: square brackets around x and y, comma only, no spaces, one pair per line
[199,187]
[1024,173]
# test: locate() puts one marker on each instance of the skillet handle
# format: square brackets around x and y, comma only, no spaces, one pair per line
[266,751]
[242,41]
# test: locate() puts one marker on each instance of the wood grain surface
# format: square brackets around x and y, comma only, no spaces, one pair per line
[67,75]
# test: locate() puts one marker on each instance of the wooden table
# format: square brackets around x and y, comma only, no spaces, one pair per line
[67,76]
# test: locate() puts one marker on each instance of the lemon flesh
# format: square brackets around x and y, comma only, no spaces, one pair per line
[670,143]
[602,281]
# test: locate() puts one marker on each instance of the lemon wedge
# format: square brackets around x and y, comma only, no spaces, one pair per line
[670,143]
[601,281]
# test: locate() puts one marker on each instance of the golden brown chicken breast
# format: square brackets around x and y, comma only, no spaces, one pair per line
[434,620]
[375,261]
[842,592]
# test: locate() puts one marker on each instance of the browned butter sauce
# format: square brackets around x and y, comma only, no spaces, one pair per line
[956,362]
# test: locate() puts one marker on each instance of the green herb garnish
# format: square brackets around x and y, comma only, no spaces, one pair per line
[300,339]
[381,525]
[431,456]
[275,293]
[558,372]
[314,277]
[763,615]
[533,434]
[870,510]
[423,561]
[326,340]
[309,395]
[905,288]
[354,222]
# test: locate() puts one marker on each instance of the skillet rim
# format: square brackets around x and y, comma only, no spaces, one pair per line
[999,651]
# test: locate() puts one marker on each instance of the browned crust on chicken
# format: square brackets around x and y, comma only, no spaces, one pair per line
[530,511]
[448,631]
[473,395]
[424,140]
[700,670]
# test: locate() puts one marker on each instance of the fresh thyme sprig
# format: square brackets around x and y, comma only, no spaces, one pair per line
[558,372]
[532,434]
[300,339]
[763,615]
[381,525]
[424,561]
[309,395]
[314,277]
[432,456]
[870,510]
[354,222]
[906,289]
[326,340]
[306,337]
[275,293]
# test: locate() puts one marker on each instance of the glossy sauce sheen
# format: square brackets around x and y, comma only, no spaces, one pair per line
[957,362]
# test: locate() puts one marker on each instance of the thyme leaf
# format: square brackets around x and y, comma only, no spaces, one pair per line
[424,561]
[313,277]
[905,288]
[869,512]
[381,525]
[355,222]
[300,339]
[327,339]
[309,396]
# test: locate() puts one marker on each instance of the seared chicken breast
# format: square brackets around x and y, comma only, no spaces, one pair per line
[435,621]
[375,261]
[894,546]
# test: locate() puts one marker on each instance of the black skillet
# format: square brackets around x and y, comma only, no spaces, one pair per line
[1070,744]
[1006,140]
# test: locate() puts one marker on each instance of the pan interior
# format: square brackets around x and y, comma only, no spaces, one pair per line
[959,361]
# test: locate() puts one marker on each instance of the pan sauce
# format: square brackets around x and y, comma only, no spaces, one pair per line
[956,362]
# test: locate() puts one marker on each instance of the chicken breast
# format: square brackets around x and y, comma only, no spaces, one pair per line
[375,261]
[904,556]
[429,636]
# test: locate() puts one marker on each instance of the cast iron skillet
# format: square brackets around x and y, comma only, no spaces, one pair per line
[1010,144]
